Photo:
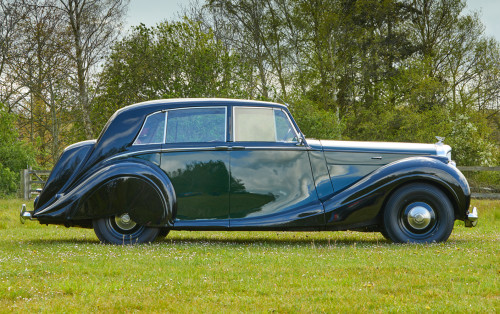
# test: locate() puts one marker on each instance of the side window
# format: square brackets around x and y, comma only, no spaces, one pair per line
[285,132]
[153,130]
[196,125]
[254,124]
[262,125]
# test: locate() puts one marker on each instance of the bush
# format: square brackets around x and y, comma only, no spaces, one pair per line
[14,154]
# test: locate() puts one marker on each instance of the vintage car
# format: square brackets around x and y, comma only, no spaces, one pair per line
[222,164]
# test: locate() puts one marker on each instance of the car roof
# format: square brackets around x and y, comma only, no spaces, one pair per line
[196,102]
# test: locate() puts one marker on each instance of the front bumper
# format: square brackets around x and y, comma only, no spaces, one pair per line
[471,219]
[25,214]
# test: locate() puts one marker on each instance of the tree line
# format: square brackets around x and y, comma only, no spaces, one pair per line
[389,70]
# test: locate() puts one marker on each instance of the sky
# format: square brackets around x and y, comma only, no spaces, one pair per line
[151,12]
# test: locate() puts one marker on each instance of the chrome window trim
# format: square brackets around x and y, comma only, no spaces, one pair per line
[165,132]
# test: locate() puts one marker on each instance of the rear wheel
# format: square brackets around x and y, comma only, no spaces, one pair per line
[418,213]
[121,229]
[163,232]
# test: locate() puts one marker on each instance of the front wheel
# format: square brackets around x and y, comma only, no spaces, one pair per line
[123,230]
[418,213]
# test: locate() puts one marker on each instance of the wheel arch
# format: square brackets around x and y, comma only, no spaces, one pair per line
[133,186]
[439,184]
[364,202]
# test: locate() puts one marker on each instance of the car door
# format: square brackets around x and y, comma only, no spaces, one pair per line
[271,185]
[195,157]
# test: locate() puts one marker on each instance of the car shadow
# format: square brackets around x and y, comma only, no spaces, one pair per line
[286,241]
[224,242]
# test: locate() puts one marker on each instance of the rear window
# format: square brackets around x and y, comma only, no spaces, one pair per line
[153,130]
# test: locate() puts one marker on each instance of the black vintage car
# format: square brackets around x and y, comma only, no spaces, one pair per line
[221,164]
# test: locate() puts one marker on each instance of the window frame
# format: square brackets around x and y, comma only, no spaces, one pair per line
[166,111]
[291,124]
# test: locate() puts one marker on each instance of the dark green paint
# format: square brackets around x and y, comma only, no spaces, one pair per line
[201,182]
[275,187]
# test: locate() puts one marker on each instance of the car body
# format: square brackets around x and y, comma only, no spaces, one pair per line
[223,164]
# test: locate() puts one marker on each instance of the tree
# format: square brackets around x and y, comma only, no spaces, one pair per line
[41,69]
[170,60]
[93,26]
[11,14]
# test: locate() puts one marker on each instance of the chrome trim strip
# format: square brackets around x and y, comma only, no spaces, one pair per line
[161,150]
[214,148]
[376,152]
[275,148]
[165,130]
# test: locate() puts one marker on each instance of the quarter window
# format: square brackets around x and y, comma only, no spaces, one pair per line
[153,130]
[262,125]
[196,125]
[285,132]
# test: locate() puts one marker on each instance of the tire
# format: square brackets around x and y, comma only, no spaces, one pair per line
[384,234]
[122,230]
[418,213]
[163,232]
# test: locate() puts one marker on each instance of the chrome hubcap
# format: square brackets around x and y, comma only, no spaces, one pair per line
[124,222]
[419,217]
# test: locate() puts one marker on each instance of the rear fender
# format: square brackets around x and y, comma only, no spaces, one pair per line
[139,188]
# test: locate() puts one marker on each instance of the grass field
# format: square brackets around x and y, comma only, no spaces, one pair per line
[51,268]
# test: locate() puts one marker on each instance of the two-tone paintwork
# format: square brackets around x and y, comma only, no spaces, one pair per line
[302,185]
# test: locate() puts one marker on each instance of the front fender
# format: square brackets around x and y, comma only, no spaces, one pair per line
[364,200]
[137,187]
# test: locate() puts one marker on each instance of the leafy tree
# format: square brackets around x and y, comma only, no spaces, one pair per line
[92,28]
[171,60]
[40,67]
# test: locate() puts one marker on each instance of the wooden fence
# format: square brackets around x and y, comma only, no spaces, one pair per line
[465,169]
[30,177]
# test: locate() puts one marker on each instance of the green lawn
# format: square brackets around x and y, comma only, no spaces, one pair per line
[52,268]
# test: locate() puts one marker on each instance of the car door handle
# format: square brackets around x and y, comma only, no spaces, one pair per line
[377,157]
[221,147]
[238,147]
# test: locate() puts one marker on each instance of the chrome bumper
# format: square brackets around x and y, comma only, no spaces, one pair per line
[24,214]
[471,220]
